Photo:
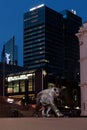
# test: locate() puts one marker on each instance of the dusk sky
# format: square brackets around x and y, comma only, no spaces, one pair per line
[12,11]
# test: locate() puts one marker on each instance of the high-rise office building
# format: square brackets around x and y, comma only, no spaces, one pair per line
[10,52]
[71,25]
[43,40]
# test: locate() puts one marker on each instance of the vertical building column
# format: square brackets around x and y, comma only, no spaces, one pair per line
[38,81]
[82,36]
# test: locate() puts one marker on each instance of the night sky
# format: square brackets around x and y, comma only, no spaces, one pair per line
[12,11]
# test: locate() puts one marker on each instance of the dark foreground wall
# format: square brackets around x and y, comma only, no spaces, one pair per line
[43,123]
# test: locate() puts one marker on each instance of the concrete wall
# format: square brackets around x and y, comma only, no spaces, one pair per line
[43,123]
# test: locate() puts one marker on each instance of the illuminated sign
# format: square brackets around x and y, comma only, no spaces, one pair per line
[39,6]
[21,77]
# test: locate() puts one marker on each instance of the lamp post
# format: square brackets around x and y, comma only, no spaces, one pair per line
[43,75]
[3,68]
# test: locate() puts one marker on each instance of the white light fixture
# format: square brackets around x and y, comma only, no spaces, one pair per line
[9,100]
[39,6]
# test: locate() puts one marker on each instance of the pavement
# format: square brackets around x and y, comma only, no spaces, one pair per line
[43,123]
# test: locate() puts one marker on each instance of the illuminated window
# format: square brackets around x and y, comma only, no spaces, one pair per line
[16,87]
[10,88]
[31,83]
[22,86]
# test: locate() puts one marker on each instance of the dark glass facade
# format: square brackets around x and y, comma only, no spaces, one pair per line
[71,25]
[10,52]
[43,40]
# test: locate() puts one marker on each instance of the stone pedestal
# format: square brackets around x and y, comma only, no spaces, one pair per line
[84,101]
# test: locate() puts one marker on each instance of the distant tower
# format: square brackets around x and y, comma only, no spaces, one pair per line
[7,58]
[82,35]
[10,52]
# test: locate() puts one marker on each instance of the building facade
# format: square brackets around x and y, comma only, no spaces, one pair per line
[10,52]
[24,85]
[82,36]
[7,69]
[71,25]
[43,40]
